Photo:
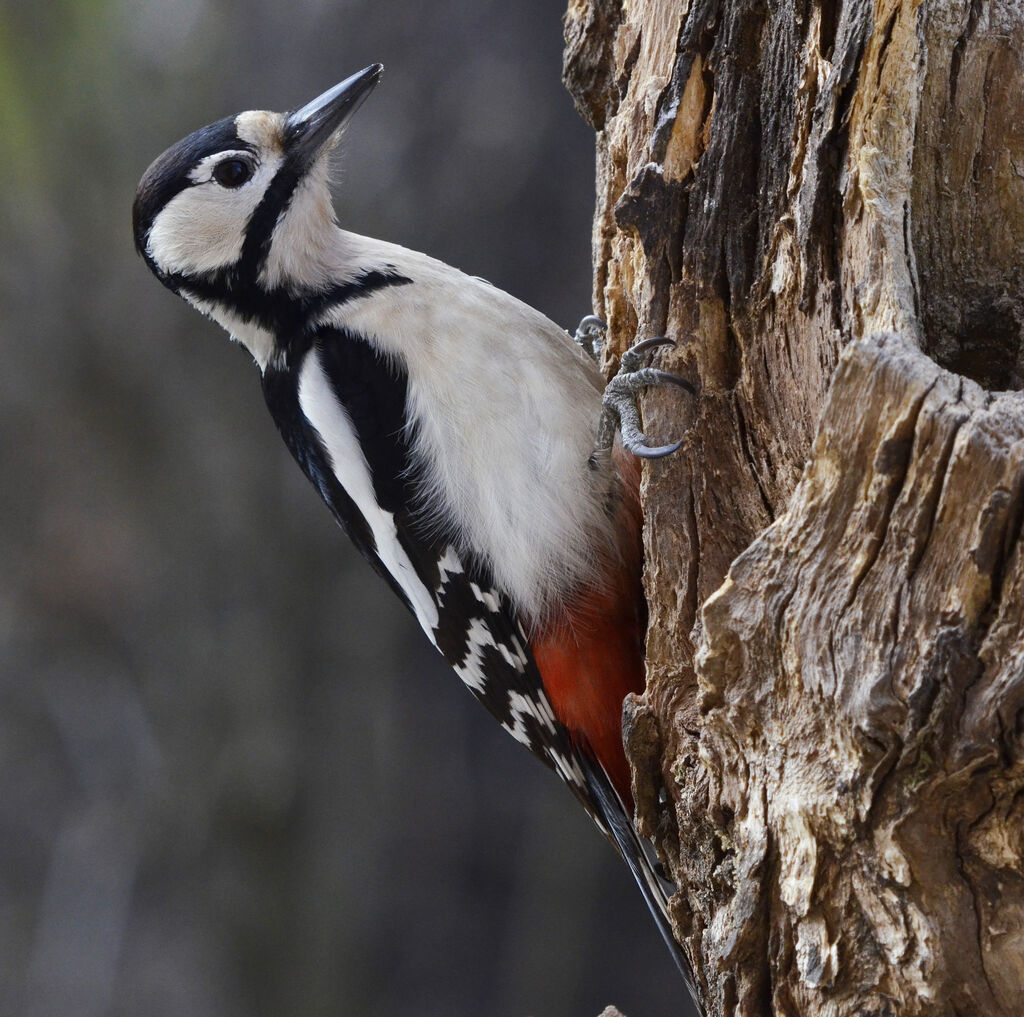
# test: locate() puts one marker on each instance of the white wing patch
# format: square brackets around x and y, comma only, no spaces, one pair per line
[323,410]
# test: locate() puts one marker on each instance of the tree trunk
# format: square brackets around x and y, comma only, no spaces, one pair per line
[824,204]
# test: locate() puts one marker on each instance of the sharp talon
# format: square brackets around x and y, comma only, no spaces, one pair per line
[655,452]
[635,355]
[673,379]
[620,411]
[651,344]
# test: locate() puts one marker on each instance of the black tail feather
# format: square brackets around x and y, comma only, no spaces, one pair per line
[636,855]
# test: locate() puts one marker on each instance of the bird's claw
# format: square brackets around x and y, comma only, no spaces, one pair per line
[633,358]
[590,333]
[620,401]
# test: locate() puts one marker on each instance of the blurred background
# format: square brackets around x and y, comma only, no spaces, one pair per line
[234,779]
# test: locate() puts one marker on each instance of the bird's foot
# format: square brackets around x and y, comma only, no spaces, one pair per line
[590,333]
[620,400]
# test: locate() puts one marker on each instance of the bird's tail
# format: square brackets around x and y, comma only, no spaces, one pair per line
[638,856]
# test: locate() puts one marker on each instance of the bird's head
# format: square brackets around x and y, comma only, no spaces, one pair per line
[239,210]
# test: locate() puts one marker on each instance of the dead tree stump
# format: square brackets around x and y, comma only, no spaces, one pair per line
[824,204]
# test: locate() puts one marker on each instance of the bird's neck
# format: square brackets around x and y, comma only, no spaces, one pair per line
[290,290]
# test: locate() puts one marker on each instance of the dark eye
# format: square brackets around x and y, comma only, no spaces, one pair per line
[232,172]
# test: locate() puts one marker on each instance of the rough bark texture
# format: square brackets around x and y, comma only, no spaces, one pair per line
[824,202]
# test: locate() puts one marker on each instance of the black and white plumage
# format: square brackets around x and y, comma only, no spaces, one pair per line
[448,427]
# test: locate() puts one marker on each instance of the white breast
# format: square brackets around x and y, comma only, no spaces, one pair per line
[505,407]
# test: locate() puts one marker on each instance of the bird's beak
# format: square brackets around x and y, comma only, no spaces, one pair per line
[315,127]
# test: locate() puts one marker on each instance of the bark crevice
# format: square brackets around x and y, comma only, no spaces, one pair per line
[827,200]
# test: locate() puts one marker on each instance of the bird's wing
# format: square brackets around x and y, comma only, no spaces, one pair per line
[342,412]
[341,408]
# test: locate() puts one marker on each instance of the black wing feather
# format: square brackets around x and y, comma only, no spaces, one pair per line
[477,629]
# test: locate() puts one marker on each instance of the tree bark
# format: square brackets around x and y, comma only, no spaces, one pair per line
[824,204]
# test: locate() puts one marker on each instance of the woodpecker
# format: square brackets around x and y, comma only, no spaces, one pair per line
[463,441]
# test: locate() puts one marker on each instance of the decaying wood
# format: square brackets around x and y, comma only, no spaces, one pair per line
[824,202]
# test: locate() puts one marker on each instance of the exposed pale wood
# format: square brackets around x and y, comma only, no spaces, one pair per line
[861,697]
[825,204]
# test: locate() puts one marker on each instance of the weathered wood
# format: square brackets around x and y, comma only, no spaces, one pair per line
[824,202]
[861,695]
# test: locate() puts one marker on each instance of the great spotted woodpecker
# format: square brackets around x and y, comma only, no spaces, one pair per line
[449,428]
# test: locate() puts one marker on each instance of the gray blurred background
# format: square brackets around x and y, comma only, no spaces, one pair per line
[234,779]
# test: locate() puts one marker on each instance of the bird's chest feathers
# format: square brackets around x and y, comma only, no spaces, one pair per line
[501,417]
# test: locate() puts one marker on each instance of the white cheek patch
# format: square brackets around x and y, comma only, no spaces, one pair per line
[322,409]
[202,228]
